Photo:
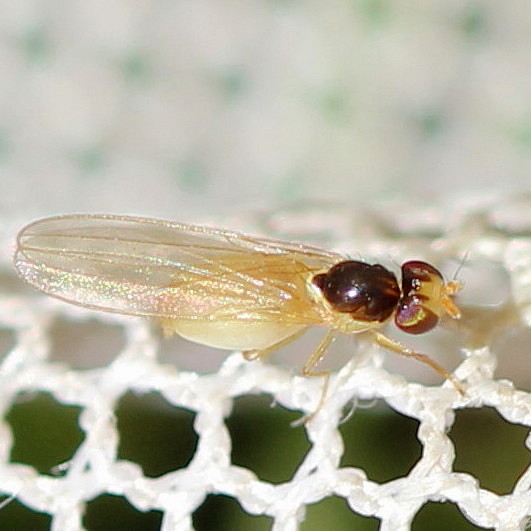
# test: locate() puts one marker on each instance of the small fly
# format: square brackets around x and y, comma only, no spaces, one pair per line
[229,290]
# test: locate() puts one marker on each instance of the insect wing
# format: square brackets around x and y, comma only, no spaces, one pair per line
[142,266]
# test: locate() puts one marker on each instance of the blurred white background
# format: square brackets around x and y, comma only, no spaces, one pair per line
[188,108]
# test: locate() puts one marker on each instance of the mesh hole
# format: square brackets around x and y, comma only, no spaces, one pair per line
[46,433]
[85,344]
[334,513]
[442,517]
[148,421]
[7,341]
[512,352]
[190,356]
[223,513]
[256,428]
[381,441]
[478,436]
[17,516]
[114,512]
[11,283]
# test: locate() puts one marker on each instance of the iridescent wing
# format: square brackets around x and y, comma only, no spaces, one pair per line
[147,267]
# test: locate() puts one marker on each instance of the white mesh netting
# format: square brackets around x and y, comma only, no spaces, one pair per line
[497,271]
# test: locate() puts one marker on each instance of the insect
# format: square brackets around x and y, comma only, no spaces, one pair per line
[226,289]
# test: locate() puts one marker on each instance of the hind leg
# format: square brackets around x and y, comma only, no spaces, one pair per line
[258,354]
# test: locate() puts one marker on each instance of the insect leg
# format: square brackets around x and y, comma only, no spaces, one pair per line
[398,348]
[317,356]
[309,370]
[257,354]
[309,366]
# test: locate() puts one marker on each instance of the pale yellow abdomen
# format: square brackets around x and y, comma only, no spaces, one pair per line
[231,335]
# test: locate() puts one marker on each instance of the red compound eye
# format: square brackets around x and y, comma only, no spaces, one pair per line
[420,306]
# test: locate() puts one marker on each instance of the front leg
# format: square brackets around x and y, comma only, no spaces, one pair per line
[398,348]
